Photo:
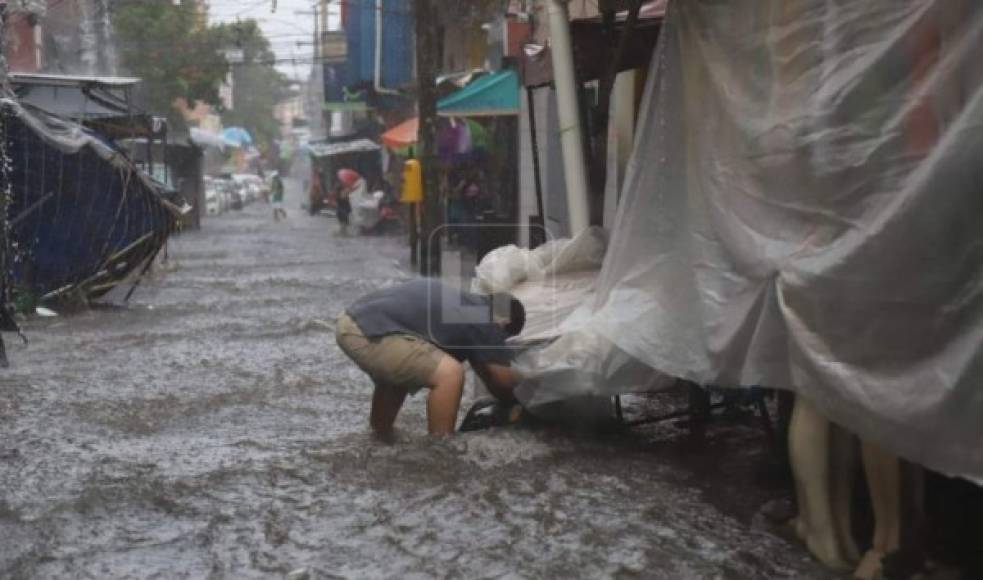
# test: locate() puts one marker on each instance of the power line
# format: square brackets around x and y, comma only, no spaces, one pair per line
[296,60]
[355,4]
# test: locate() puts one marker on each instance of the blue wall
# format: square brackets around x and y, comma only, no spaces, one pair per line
[397,42]
[335,77]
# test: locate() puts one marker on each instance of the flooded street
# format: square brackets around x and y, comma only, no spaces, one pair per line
[212,428]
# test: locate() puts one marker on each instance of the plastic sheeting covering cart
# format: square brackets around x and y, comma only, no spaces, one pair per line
[803,210]
[551,281]
[365,207]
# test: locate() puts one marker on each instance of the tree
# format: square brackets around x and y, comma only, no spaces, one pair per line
[172,50]
[257,85]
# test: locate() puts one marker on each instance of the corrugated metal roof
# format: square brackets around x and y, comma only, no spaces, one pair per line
[72,80]
[329,149]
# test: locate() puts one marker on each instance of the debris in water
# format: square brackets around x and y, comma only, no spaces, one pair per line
[45,312]
[299,574]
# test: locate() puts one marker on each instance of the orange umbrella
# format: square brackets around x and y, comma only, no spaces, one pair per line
[401,135]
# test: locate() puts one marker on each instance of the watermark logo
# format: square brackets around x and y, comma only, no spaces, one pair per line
[483,270]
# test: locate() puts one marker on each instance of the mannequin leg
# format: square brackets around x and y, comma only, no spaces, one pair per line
[883,471]
[809,447]
[913,518]
[843,458]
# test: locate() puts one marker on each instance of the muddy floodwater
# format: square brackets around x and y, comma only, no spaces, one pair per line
[211,428]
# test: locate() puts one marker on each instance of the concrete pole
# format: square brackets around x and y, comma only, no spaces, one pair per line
[571,136]
[427,57]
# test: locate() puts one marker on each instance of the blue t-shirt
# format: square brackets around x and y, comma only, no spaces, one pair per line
[458,322]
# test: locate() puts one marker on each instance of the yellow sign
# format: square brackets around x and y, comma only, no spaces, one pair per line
[412,182]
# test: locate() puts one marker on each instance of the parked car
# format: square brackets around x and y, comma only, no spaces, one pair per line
[259,184]
[234,198]
[265,186]
[213,197]
[248,185]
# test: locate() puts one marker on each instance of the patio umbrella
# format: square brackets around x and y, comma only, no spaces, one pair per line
[402,135]
[237,136]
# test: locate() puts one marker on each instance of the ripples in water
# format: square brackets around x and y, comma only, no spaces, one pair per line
[212,429]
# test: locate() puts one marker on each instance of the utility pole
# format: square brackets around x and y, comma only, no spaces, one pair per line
[316,81]
[426,31]
[319,72]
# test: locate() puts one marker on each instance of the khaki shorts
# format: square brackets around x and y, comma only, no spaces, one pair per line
[401,361]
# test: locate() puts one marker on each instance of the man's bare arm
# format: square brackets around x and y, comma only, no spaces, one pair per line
[500,380]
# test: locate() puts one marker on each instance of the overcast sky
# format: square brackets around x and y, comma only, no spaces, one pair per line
[284,28]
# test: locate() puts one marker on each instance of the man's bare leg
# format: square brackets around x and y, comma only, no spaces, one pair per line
[386,402]
[445,396]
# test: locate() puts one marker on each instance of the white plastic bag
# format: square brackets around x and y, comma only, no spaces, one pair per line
[365,207]
[502,268]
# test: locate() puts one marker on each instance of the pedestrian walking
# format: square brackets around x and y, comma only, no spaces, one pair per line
[418,335]
[276,197]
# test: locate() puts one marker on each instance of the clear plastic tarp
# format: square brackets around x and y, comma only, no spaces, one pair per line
[551,281]
[803,210]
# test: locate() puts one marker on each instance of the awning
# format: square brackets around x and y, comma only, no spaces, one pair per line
[351,106]
[71,102]
[73,80]
[100,103]
[463,137]
[320,149]
[402,135]
[493,94]
[74,173]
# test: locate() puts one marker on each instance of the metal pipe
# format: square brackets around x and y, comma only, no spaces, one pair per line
[377,81]
[535,154]
[150,152]
[163,154]
[571,138]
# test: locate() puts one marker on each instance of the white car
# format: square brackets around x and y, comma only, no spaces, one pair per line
[229,195]
[213,198]
[249,186]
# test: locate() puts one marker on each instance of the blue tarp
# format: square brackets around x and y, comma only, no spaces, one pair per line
[493,94]
[81,215]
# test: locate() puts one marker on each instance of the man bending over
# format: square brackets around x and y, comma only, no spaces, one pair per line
[418,335]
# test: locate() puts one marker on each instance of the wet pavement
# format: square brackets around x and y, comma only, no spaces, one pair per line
[211,428]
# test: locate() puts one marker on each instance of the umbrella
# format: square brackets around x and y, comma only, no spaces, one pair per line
[401,135]
[207,138]
[237,136]
[348,177]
